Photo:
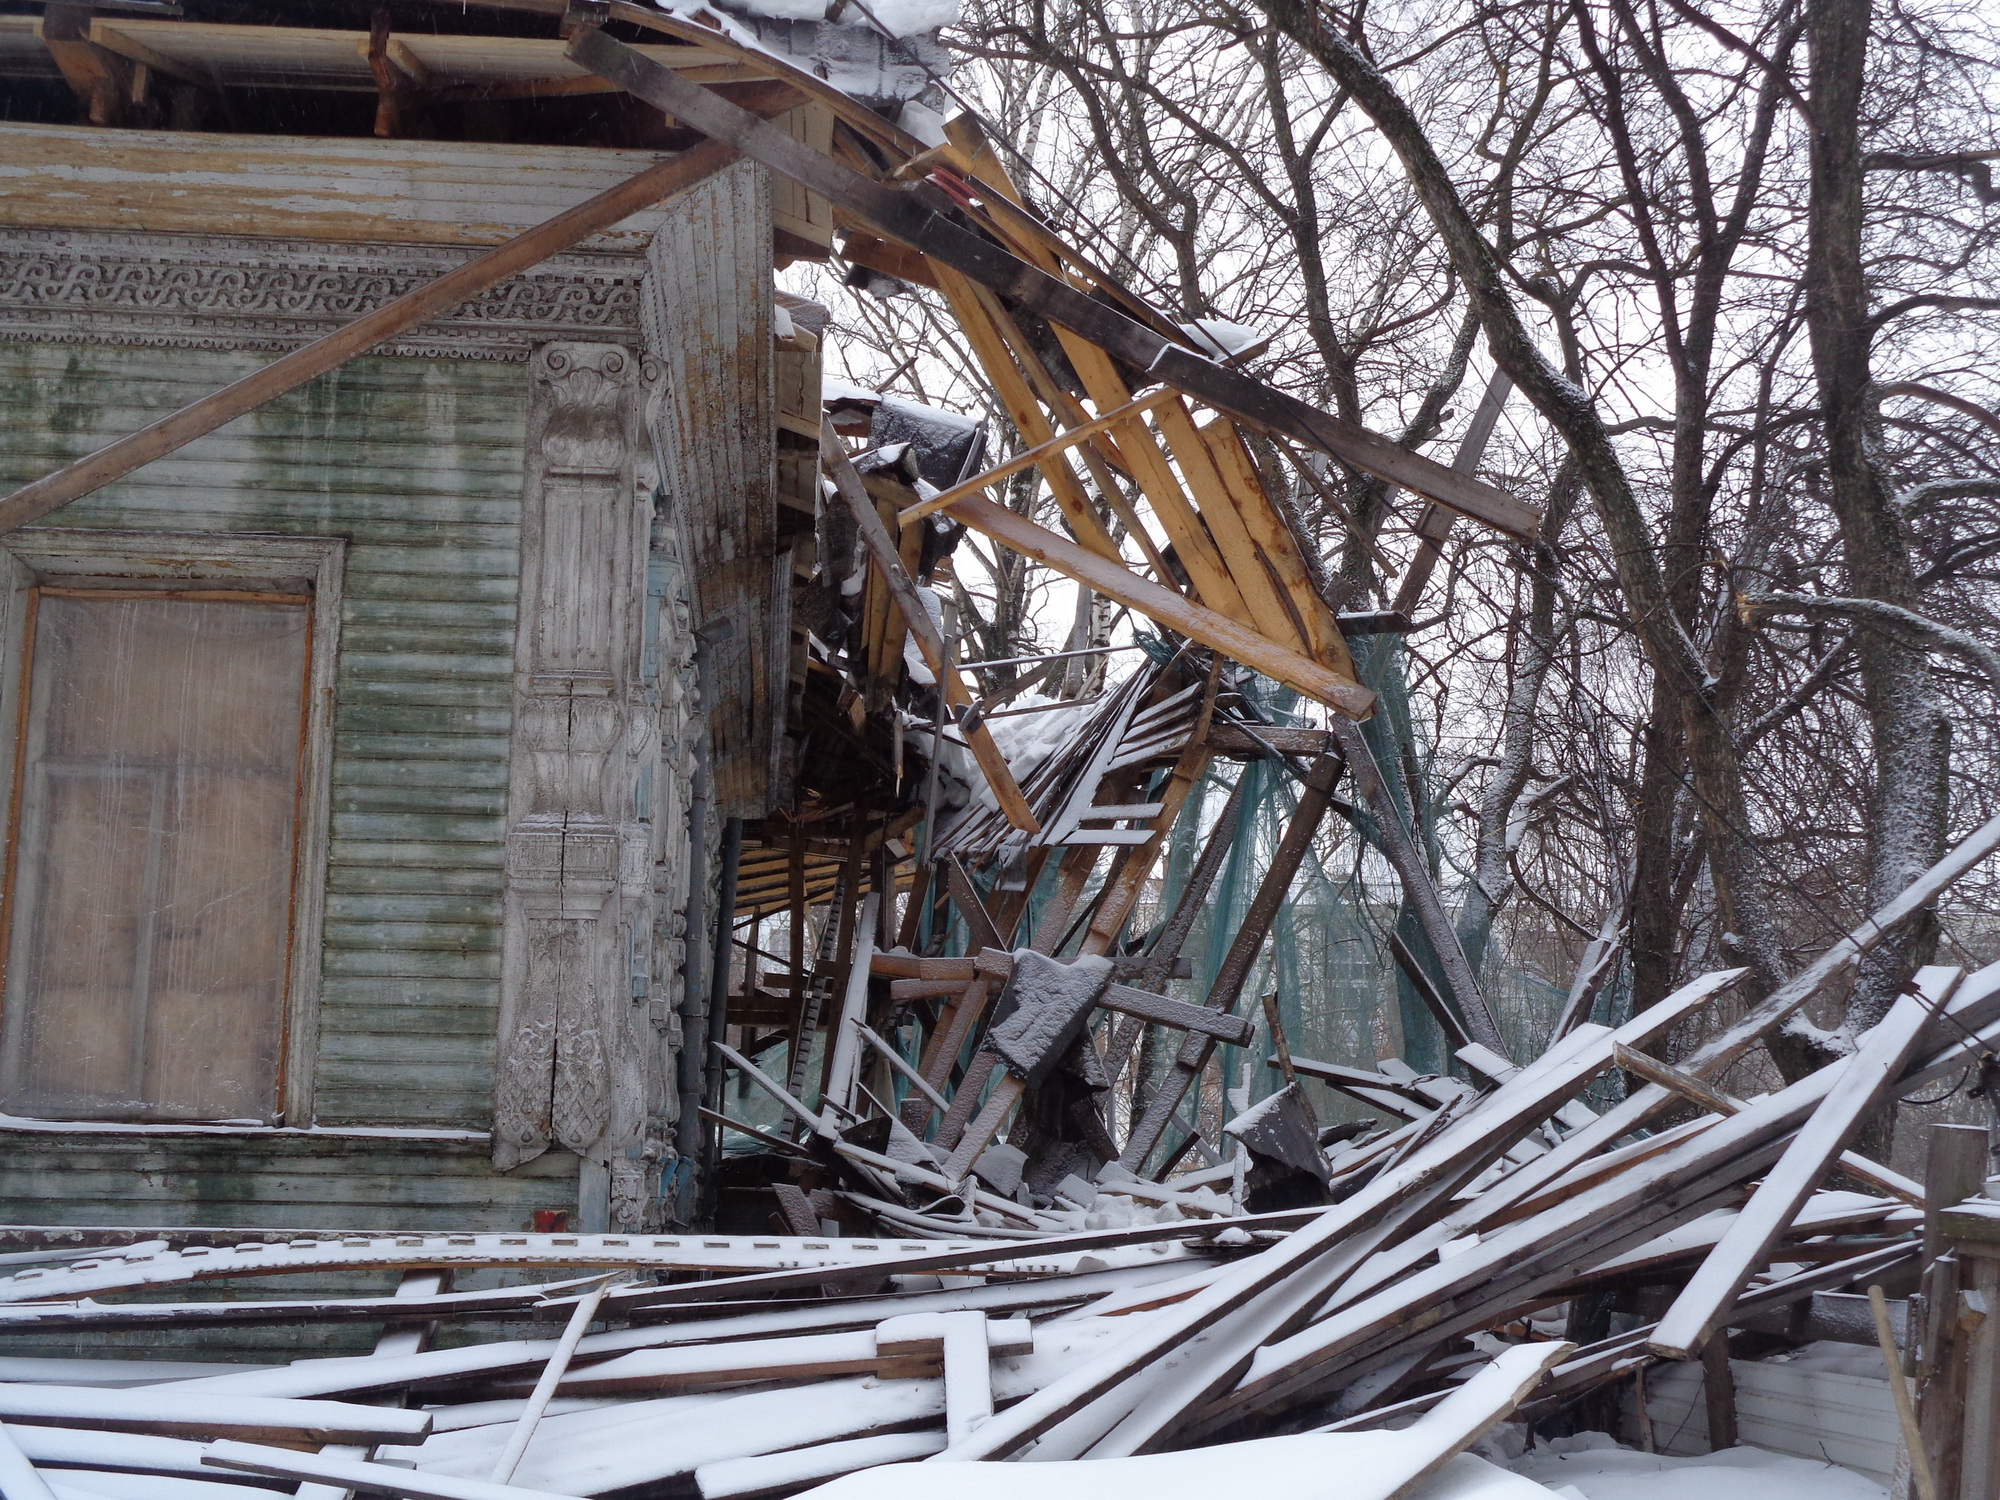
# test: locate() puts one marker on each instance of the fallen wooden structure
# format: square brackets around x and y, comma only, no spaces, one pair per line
[769,1365]
[991,1230]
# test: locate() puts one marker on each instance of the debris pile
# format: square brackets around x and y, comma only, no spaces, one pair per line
[1424,1288]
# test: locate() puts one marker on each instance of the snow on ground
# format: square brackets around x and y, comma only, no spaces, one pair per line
[1593,1466]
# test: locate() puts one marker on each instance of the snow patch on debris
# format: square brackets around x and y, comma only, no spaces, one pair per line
[903,60]
[1594,1466]
[1218,338]
[1252,1117]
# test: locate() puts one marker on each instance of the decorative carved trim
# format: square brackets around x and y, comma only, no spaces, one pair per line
[582,838]
[220,292]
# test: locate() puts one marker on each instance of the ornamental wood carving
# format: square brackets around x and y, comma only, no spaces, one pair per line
[581,837]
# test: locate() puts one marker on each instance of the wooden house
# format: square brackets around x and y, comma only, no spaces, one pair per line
[367,760]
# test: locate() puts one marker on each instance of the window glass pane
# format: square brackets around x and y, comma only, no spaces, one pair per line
[152,873]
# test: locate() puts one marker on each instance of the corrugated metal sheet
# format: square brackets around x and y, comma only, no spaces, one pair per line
[1848,1420]
[417,463]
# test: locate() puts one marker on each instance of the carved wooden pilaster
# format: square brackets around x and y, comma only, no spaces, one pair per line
[580,838]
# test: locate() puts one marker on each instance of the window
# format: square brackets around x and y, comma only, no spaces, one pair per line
[164,769]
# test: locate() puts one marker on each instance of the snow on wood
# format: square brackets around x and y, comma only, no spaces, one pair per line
[172,1412]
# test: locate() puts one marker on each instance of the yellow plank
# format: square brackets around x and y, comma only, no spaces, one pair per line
[1279,547]
[1034,426]
[1269,609]
[1061,443]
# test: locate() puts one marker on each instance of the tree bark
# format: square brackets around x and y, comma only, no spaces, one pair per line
[1910,732]
[1670,650]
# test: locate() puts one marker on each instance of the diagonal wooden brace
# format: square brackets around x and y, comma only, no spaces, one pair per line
[571,227]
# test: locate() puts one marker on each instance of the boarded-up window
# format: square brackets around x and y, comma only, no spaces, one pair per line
[154,831]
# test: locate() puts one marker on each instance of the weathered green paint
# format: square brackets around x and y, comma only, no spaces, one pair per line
[417,463]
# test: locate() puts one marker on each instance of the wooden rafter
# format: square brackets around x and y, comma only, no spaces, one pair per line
[906,217]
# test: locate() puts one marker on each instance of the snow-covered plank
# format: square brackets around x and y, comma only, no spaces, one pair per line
[741,1478]
[708,1253]
[359,1474]
[170,1411]
[1866,1079]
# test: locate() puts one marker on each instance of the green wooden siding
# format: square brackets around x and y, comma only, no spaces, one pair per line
[417,463]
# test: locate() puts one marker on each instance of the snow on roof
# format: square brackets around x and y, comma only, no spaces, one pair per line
[852,55]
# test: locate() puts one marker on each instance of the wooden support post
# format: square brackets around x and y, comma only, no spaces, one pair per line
[799,981]
[942,1049]
[1314,799]
[157,439]
[1955,1168]
[1718,1391]
[1455,1034]
[1167,944]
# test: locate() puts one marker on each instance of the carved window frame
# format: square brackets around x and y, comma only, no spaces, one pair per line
[41,555]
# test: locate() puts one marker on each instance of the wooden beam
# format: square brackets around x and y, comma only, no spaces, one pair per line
[1057,444]
[1874,1175]
[1434,525]
[1419,889]
[1869,1075]
[889,562]
[1161,604]
[1314,799]
[571,227]
[901,215]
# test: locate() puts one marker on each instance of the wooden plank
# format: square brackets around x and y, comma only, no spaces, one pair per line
[978,322]
[1039,454]
[1419,889]
[1434,525]
[1704,1305]
[889,563]
[906,218]
[92,1409]
[1164,1011]
[1695,1091]
[1275,542]
[19,1479]
[1222,511]
[360,1474]
[1162,605]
